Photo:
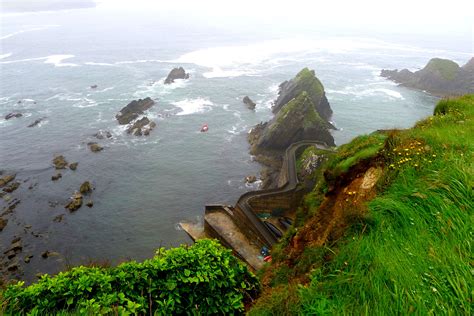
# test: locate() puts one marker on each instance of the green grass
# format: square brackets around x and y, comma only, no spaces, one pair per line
[348,155]
[447,68]
[417,256]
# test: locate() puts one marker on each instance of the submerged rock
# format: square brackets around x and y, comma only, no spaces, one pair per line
[441,77]
[13,115]
[94,86]
[47,254]
[94,147]
[11,187]
[56,177]
[58,218]
[176,73]
[249,103]
[36,122]
[102,134]
[133,110]
[60,162]
[75,203]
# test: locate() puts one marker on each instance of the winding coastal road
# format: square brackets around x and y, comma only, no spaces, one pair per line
[244,201]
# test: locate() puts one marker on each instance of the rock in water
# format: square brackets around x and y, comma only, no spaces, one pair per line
[249,103]
[305,80]
[133,110]
[94,86]
[141,127]
[11,187]
[36,122]
[94,147]
[6,179]
[297,116]
[250,179]
[3,223]
[90,204]
[102,134]
[60,162]
[176,73]
[75,203]
[12,115]
[57,176]
[441,77]
[73,166]
[86,187]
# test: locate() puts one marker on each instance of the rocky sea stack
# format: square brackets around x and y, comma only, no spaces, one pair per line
[440,77]
[301,113]
[133,110]
[249,103]
[176,73]
[129,115]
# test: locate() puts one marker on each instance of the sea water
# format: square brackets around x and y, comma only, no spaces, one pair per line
[144,186]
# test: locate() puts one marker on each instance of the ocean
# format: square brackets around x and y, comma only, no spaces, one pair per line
[144,186]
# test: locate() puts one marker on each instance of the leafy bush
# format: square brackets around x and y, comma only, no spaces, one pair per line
[201,279]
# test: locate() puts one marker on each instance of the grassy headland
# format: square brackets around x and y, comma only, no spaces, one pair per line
[407,248]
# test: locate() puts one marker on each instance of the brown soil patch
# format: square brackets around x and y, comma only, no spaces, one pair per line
[342,203]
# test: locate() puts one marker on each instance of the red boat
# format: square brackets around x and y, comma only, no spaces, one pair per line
[204,128]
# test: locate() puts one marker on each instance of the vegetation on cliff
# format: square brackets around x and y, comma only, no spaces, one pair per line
[201,279]
[387,228]
[297,120]
[441,77]
[301,113]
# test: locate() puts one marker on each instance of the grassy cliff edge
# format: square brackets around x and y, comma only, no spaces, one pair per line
[403,247]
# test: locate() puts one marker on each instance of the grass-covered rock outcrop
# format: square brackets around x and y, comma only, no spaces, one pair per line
[387,229]
[301,113]
[307,81]
[201,279]
[297,120]
[442,77]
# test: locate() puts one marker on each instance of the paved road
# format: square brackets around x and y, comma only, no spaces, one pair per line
[289,186]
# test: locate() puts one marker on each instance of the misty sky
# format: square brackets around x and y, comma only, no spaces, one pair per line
[421,16]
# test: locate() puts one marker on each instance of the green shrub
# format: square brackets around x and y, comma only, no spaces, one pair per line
[201,279]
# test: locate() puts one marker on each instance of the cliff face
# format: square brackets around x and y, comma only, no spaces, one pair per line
[305,80]
[296,120]
[301,113]
[440,77]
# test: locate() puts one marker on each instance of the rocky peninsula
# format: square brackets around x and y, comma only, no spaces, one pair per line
[440,77]
[302,112]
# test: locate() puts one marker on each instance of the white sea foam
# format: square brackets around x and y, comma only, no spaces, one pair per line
[359,91]
[56,60]
[30,28]
[2,56]
[139,61]
[22,60]
[91,63]
[84,102]
[191,106]
[106,89]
